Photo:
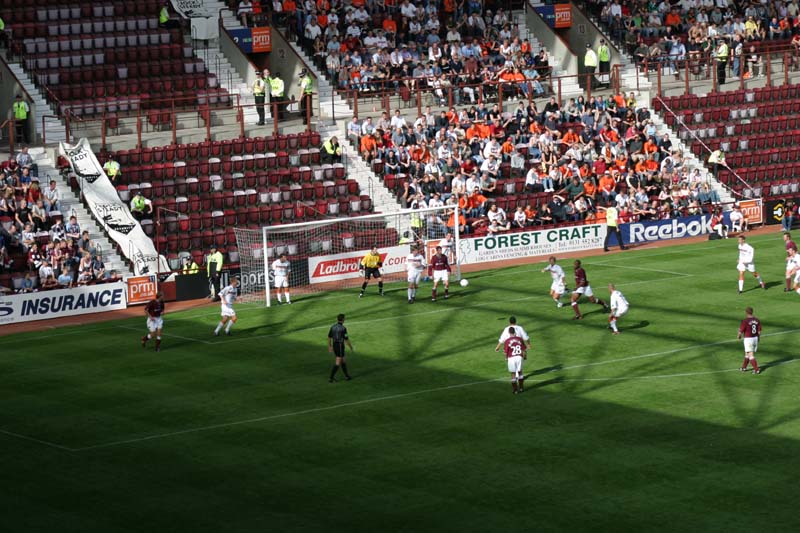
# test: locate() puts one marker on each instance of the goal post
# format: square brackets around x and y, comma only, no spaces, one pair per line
[325,254]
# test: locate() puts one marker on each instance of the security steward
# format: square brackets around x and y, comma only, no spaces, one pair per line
[337,338]
[190,267]
[112,169]
[276,93]
[259,92]
[612,226]
[306,94]
[604,59]
[214,269]
[721,55]
[331,151]
[589,66]
[21,112]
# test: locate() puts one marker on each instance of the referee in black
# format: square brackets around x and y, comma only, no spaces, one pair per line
[337,338]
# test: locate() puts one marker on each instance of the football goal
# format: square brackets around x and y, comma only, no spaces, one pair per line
[325,255]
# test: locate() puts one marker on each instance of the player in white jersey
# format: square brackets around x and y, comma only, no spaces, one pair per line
[227,296]
[415,264]
[558,287]
[747,263]
[793,269]
[619,306]
[448,248]
[280,269]
[519,331]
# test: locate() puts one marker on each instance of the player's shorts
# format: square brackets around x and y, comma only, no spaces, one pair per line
[557,287]
[154,324]
[797,277]
[414,277]
[514,363]
[586,291]
[621,311]
[750,267]
[281,282]
[228,311]
[750,344]
[338,349]
[441,275]
[372,273]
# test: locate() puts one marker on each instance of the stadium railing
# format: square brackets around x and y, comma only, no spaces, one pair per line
[776,66]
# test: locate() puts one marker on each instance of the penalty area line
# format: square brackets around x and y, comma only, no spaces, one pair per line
[168,335]
[282,415]
[37,441]
[314,410]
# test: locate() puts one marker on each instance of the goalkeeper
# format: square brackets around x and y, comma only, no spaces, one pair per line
[370,266]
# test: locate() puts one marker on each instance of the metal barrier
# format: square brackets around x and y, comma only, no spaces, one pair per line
[679,121]
[774,69]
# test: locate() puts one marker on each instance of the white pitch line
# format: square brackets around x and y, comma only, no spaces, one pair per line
[638,268]
[38,441]
[168,335]
[14,339]
[283,415]
[426,391]
[423,313]
[661,376]
[676,350]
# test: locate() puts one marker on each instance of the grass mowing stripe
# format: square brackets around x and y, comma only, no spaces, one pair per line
[167,335]
[436,389]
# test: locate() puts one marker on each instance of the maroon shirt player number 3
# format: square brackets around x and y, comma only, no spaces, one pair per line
[439,269]
[750,331]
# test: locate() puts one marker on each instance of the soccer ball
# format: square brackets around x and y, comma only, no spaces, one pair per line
[464,282]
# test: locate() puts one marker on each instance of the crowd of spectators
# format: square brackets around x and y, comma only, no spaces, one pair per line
[50,253]
[672,31]
[381,46]
[576,160]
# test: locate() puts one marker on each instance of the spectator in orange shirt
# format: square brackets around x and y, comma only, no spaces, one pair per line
[462,222]
[368,147]
[607,186]
[476,204]
[570,138]
[590,190]
[507,149]
[650,147]
[673,20]
[389,25]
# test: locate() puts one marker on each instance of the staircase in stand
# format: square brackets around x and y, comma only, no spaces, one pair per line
[70,205]
[55,130]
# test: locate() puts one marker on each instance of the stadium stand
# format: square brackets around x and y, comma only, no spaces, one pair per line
[109,58]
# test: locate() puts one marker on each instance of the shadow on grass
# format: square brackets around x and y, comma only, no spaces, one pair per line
[546,370]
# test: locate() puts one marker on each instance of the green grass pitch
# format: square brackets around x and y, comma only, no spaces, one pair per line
[654,429]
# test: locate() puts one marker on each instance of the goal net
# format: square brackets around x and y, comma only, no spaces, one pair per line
[325,254]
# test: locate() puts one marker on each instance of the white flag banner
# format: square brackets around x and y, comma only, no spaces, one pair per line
[203,20]
[111,212]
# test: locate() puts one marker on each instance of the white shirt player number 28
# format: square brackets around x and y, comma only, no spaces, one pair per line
[281,272]
[415,264]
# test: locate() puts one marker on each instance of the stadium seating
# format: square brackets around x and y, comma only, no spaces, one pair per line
[758,129]
[208,188]
[109,57]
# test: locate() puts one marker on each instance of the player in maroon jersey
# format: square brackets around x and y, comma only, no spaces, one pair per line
[582,287]
[790,245]
[439,269]
[155,322]
[750,331]
[514,348]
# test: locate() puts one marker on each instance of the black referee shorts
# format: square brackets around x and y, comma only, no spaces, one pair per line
[338,349]
[372,273]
